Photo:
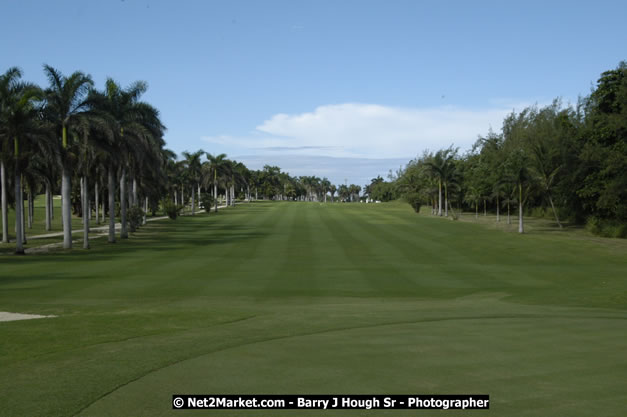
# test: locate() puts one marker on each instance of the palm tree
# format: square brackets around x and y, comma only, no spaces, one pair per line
[440,166]
[217,165]
[242,177]
[354,191]
[473,196]
[20,123]
[97,136]
[44,168]
[65,101]
[326,187]
[135,124]
[193,164]
[332,190]
[8,82]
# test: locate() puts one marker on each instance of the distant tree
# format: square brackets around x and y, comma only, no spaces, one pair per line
[194,168]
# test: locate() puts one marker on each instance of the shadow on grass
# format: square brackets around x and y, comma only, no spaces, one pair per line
[159,236]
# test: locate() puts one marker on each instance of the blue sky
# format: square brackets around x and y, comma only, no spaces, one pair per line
[343,89]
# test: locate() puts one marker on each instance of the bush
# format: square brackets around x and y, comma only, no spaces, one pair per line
[170,209]
[540,213]
[414,201]
[207,201]
[606,228]
[134,216]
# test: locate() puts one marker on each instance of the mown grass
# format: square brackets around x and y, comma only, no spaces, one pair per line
[38,226]
[315,298]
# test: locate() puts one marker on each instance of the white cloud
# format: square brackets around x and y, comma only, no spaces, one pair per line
[366,131]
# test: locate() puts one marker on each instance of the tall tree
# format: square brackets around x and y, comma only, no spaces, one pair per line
[217,165]
[440,166]
[19,121]
[136,124]
[65,102]
[193,164]
[8,83]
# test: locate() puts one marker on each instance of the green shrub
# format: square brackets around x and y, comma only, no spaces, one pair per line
[170,209]
[539,212]
[414,201]
[134,216]
[207,201]
[593,225]
[606,228]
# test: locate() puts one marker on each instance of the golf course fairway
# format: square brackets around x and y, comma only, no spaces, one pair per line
[310,298]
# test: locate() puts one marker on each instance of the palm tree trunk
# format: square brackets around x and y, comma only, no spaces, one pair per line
[485,209]
[555,212]
[145,210]
[198,197]
[182,198]
[193,201]
[86,211]
[82,201]
[48,201]
[129,194]
[509,219]
[123,192]
[102,205]
[96,195]
[19,224]
[21,200]
[135,200]
[5,211]
[446,200]
[520,210]
[498,216]
[111,187]
[440,198]
[66,191]
[476,210]
[215,195]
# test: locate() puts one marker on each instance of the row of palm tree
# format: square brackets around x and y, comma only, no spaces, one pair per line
[230,179]
[73,132]
[105,150]
[221,176]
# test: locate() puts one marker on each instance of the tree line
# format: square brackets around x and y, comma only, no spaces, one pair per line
[566,162]
[104,152]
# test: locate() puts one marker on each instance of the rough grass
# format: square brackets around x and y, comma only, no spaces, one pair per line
[315,298]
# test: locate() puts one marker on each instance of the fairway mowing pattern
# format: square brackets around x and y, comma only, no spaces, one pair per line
[317,298]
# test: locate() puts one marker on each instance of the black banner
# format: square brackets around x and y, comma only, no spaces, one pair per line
[331,402]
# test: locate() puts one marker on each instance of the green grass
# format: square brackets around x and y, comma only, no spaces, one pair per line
[38,226]
[314,298]
[39,223]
